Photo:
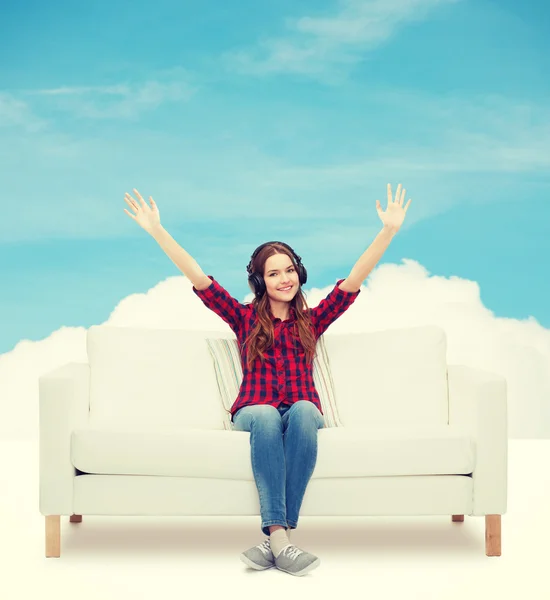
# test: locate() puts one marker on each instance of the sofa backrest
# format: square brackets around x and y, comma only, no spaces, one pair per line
[393,376]
[153,377]
[166,377]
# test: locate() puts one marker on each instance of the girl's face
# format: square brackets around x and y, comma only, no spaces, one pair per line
[279,272]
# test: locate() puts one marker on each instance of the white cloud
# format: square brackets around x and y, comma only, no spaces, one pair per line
[123,100]
[17,113]
[394,296]
[322,47]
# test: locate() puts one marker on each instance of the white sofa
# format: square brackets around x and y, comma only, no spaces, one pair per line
[139,430]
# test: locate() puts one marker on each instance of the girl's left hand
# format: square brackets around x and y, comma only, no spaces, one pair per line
[394,215]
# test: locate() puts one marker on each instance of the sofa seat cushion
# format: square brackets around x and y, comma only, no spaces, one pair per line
[220,454]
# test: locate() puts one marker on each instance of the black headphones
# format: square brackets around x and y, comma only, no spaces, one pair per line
[256,281]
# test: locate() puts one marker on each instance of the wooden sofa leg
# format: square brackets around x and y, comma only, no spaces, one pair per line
[76,519]
[492,535]
[458,518]
[53,536]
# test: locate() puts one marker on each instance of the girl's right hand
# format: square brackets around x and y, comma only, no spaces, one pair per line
[146,217]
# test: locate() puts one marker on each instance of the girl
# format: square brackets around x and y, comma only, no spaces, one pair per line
[277,402]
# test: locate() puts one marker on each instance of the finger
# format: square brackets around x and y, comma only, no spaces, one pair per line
[130,198]
[130,202]
[398,193]
[407,205]
[389,193]
[129,214]
[402,197]
[139,197]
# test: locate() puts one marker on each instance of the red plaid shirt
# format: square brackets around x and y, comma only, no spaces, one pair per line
[285,377]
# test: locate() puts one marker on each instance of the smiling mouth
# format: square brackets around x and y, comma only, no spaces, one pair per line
[285,290]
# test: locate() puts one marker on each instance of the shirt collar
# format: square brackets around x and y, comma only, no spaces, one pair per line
[291,316]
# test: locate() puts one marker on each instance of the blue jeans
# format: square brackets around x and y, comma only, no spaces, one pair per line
[283,444]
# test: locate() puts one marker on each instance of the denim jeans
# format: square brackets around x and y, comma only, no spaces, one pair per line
[283,444]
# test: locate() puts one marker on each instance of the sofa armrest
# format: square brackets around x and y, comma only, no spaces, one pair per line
[63,396]
[478,400]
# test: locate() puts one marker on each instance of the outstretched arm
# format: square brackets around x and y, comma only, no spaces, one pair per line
[181,258]
[148,217]
[392,219]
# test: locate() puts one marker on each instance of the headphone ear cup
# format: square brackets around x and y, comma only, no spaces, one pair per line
[257,284]
[302,273]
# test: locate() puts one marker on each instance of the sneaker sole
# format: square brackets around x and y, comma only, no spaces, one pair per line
[254,565]
[305,570]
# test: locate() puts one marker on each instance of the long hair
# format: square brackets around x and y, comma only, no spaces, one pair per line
[262,334]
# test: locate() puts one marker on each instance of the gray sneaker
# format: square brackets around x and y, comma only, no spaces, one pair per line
[259,557]
[295,561]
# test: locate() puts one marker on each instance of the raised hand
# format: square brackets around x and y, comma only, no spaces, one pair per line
[145,216]
[394,215]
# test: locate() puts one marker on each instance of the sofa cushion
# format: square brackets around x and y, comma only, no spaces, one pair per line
[390,377]
[229,376]
[342,452]
[152,377]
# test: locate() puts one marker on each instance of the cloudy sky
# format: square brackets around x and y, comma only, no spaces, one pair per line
[282,120]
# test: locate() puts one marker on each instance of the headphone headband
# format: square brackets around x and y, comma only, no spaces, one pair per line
[255,253]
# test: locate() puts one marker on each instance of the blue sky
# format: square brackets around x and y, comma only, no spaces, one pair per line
[260,120]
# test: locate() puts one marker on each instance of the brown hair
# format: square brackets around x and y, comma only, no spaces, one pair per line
[262,335]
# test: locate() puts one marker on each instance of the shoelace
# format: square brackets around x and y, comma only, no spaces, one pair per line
[292,551]
[265,547]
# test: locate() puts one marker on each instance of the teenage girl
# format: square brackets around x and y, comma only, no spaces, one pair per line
[277,402]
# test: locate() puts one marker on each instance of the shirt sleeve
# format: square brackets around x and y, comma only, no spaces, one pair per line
[218,299]
[331,307]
